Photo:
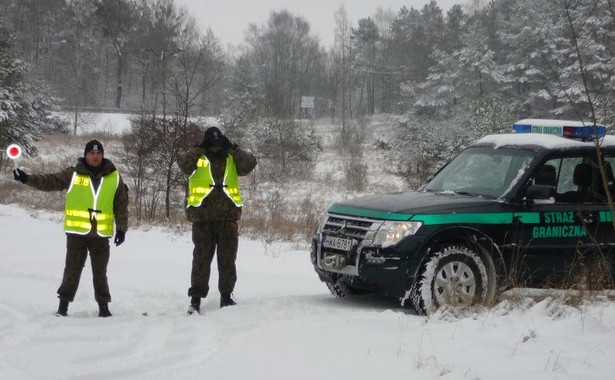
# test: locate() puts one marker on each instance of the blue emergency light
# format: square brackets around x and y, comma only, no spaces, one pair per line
[564,128]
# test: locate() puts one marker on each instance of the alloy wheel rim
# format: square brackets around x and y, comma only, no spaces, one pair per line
[455,284]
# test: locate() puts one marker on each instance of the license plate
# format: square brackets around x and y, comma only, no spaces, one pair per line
[337,243]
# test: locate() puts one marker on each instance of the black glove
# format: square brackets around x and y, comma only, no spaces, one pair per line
[20,175]
[226,143]
[120,236]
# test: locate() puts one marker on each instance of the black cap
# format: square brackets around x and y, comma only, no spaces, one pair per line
[93,145]
[213,137]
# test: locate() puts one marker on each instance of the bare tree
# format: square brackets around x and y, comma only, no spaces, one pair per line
[116,21]
[136,158]
[342,52]
[366,35]
[289,58]
[78,53]
[152,148]
[200,66]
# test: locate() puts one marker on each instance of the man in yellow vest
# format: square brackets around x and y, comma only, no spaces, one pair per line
[96,205]
[214,206]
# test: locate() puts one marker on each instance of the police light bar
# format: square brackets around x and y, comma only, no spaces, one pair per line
[564,128]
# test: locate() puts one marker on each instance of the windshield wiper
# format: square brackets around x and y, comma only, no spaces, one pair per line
[465,193]
[450,192]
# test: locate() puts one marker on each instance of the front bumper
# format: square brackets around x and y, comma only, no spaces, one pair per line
[356,258]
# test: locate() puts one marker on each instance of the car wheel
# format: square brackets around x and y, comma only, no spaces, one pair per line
[454,276]
[339,289]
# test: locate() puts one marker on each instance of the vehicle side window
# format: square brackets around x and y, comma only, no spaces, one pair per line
[609,164]
[566,182]
[578,179]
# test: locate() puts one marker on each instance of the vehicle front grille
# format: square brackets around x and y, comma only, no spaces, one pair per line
[351,233]
[346,226]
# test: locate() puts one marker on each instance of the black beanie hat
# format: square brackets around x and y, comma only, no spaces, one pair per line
[93,145]
[213,136]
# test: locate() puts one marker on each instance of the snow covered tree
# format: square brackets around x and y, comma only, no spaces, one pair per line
[285,148]
[455,22]
[581,56]
[466,74]
[24,105]
[419,146]
[245,102]
[524,25]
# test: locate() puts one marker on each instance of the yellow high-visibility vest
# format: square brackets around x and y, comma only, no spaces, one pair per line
[83,205]
[201,182]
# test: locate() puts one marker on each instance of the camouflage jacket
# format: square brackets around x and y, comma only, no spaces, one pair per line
[61,181]
[217,205]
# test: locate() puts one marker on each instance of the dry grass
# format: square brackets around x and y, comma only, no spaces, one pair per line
[272,219]
[589,276]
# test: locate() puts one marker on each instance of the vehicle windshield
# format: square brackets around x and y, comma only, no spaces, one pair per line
[482,171]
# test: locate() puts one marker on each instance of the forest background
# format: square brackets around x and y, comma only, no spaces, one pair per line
[412,87]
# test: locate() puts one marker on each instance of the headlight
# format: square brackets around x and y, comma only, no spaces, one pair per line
[390,233]
[321,223]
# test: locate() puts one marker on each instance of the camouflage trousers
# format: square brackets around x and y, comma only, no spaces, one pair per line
[77,247]
[208,237]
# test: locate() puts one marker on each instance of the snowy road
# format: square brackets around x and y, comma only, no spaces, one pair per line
[286,326]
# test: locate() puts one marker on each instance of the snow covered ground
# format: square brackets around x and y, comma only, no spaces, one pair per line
[286,325]
[96,122]
[105,123]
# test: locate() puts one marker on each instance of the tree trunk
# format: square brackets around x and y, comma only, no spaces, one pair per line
[167,199]
[118,78]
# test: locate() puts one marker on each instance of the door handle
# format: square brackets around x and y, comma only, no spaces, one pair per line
[589,217]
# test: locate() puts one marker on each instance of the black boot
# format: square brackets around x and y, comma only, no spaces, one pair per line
[195,306]
[103,310]
[226,300]
[62,309]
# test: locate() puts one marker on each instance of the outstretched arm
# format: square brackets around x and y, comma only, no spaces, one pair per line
[50,182]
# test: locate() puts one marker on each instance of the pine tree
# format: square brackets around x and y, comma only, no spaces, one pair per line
[24,108]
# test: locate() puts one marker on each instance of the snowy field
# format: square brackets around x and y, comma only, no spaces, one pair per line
[89,123]
[286,325]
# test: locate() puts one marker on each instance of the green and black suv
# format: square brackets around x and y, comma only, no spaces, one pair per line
[515,209]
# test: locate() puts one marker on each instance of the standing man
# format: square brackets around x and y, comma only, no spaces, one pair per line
[97,199]
[214,206]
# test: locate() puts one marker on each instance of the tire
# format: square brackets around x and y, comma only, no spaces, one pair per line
[454,276]
[339,289]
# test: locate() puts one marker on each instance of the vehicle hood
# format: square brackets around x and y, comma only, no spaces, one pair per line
[402,206]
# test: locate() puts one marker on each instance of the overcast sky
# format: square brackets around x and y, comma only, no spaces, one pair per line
[229,19]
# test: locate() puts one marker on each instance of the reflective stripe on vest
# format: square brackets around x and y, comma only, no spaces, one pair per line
[83,204]
[201,182]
